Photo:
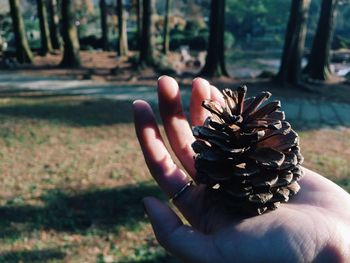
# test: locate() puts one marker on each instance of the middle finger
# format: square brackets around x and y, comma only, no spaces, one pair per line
[175,123]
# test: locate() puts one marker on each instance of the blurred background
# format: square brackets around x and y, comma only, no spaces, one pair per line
[71,173]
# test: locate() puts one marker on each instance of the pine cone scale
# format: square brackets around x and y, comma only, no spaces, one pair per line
[267,157]
[264,111]
[262,97]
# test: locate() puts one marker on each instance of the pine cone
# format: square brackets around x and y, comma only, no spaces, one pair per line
[247,155]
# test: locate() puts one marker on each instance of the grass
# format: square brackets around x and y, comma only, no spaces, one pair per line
[327,151]
[72,180]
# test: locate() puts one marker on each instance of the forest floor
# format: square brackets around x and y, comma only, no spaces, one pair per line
[105,67]
[72,174]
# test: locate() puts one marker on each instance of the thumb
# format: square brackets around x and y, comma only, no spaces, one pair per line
[182,241]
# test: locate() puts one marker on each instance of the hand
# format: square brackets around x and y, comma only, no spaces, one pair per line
[313,227]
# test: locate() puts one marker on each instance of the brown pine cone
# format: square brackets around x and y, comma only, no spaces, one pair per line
[247,154]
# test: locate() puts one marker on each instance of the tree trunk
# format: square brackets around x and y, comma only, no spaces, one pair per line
[139,21]
[215,60]
[23,52]
[54,24]
[147,57]
[166,30]
[290,69]
[122,37]
[46,45]
[318,65]
[71,55]
[104,25]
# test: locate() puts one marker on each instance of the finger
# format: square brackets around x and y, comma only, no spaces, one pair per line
[215,94]
[200,92]
[168,176]
[182,241]
[175,124]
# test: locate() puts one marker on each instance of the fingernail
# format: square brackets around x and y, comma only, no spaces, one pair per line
[201,79]
[139,105]
[161,77]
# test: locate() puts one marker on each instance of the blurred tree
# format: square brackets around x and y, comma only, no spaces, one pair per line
[23,52]
[71,55]
[166,29]
[104,25]
[54,24]
[196,13]
[343,21]
[290,69]
[215,60]
[122,33]
[139,20]
[46,45]
[147,57]
[318,65]
[256,17]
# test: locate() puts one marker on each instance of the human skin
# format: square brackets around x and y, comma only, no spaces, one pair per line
[314,226]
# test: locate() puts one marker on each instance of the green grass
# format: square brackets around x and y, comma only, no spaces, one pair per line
[73,176]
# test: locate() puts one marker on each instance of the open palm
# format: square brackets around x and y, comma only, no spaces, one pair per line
[313,227]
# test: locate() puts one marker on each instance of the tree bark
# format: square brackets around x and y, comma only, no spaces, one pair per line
[139,21]
[54,24]
[46,45]
[215,60]
[166,30]
[290,69]
[123,37]
[23,52]
[71,55]
[147,57]
[318,66]
[104,25]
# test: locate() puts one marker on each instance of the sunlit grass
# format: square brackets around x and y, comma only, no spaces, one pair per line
[73,176]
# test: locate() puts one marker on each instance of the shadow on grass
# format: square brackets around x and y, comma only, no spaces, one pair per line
[31,256]
[97,211]
[74,112]
[159,259]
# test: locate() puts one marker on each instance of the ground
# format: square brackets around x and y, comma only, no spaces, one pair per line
[72,174]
